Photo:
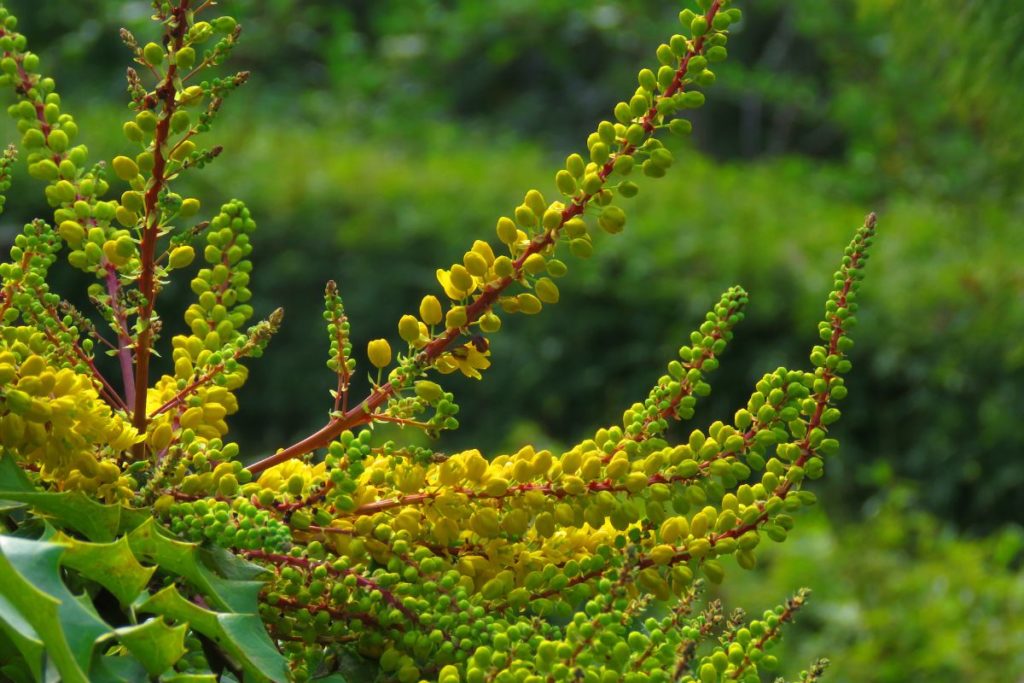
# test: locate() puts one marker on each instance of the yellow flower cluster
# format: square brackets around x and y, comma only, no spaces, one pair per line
[53,418]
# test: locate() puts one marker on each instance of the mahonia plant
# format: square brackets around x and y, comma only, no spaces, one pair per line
[137,545]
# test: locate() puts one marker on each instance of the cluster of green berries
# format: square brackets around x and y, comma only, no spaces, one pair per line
[238,524]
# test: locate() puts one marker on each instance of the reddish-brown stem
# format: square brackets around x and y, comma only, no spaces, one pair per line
[361,581]
[165,92]
[362,413]
[124,341]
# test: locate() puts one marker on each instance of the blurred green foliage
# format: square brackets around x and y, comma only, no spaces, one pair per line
[379,138]
[898,598]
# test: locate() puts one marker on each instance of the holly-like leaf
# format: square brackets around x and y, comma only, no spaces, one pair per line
[112,565]
[231,566]
[243,637]
[22,637]
[154,643]
[31,585]
[182,558]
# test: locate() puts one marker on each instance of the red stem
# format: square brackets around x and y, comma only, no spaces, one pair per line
[362,413]
[151,231]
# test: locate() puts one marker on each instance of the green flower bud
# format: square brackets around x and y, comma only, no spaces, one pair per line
[379,353]
[575,227]
[691,99]
[72,232]
[57,141]
[189,207]
[575,165]
[146,120]
[552,219]
[666,56]
[529,304]
[503,266]
[652,170]
[547,291]
[556,268]
[624,164]
[44,170]
[566,183]
[525,216]
[612,219]
[581,248]
[534,264]
[125,168]
[699,26]
[153,54]
[224,24]
[185,57]
[429,391]
[181,257]
[717,53]
[647,80]
[623,114]
[489,323]
[592,183]
[180,121]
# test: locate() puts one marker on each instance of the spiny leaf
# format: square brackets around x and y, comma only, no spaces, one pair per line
[22,637]
[181,558]
[112,565]
[242,636]
[154,643]
[71,509]
[30,574]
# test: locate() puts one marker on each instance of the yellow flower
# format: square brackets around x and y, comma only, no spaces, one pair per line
[466,358]
[453,292]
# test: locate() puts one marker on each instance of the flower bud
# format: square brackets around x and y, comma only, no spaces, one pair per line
[125,168]
[456,317]
[430,310]
[185,57]
[153,54]
[612,219]
[461,278]
[547,290]
[379,353]
[489,323]
[408,329]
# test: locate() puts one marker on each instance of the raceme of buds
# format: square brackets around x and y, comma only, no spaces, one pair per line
[587,562]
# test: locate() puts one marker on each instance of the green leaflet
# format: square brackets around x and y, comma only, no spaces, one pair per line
[156,645]
[72,509]
[32,588]
[243,637]
[112,565]
[181,558]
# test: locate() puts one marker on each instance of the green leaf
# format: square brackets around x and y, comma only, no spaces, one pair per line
[17,634]
[243,637]
[112,565]
[30,582]
[188,678]
[181,558]
[71,509]
[116,669]
[155,644]
[231,566]
[12,477]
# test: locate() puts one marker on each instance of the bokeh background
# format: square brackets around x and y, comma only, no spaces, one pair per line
[378,138]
